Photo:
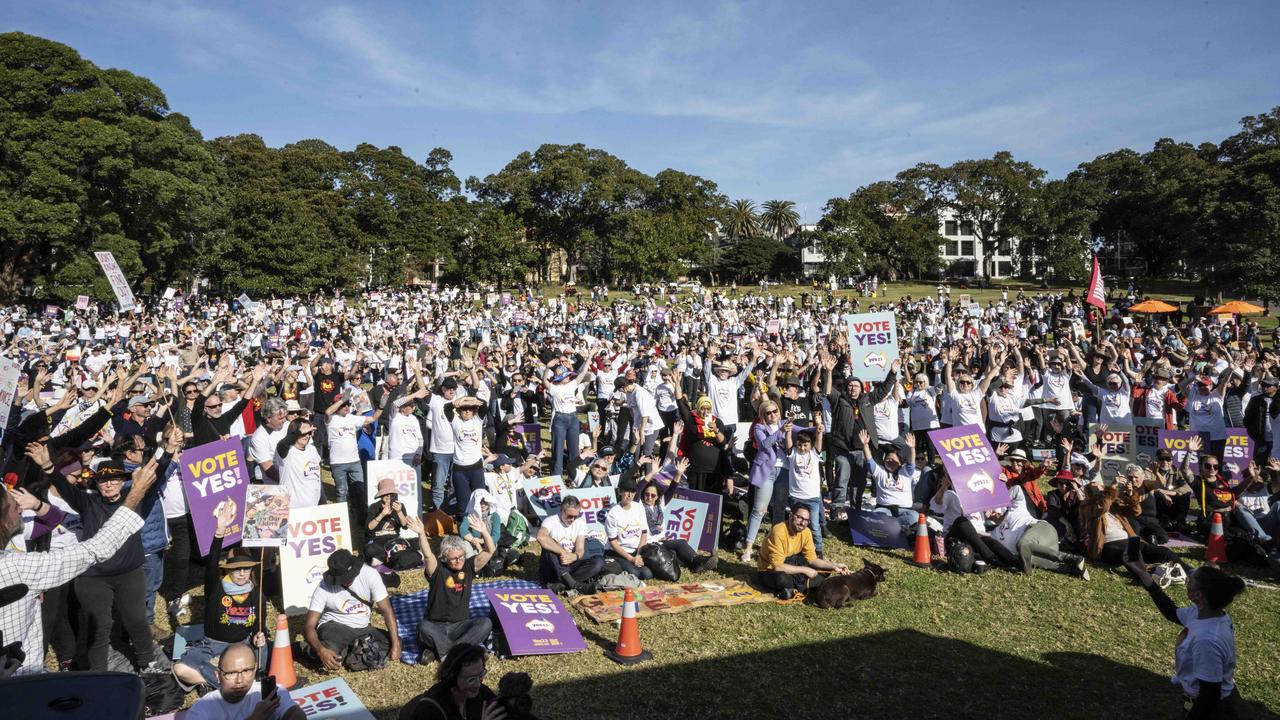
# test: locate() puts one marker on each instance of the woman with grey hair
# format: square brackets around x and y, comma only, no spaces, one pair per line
[447,621]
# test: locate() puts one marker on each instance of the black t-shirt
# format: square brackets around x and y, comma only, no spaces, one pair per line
[798,411]
[327,388]
[449,594]
[389,525]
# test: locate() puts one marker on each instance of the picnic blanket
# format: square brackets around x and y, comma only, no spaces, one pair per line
[409,610]
[1177,540]
[666,599]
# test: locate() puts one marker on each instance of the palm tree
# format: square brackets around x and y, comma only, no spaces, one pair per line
[780,218]
[742,221]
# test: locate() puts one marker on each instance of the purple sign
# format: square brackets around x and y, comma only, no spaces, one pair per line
[1236,453]
[972,465]
[1178,442]
[532,434]
[534,622]
[877,530]
[709,538]
[213,475]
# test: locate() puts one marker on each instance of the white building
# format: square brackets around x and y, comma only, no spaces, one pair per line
[960,252]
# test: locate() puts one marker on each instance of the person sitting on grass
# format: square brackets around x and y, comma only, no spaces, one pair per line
[447,620]
[460,692]
[654,502]
[337,629]
[788,561]
[239,695]
[563,538]
[627,530]
[894,479]
[481,506]
[1035,542]
[1108,516]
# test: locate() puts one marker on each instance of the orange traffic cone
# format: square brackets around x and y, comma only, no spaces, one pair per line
[628,650]
[923,554]
[1216,551]
[282,656]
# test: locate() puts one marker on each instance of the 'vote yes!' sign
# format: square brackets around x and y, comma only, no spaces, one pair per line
[213,475]
[873,344]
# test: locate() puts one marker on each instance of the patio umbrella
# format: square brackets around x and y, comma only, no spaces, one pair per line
[1236,307]
[1153,306]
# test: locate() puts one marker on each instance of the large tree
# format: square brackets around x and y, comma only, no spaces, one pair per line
[741,220]
[886,228]
[92,159]
[779,218]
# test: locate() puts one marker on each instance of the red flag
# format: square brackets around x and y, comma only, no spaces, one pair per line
[1097,295]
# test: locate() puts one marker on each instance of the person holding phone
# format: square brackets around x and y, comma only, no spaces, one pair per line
[239,696]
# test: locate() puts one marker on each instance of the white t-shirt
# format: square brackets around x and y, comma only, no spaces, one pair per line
[211,706]
[404,437]
[643,404]
[566,537]
[441,433]
[968,407]
[300,476]
[343,430]
[1207,653]
[349,606]
[804,482]
[1057,389]
[894,488]
[923,414]
[952,512]
[468,440]
[564,396]
[262,445]
[626,525]
[1015,522]
[1205,412]
[172,499]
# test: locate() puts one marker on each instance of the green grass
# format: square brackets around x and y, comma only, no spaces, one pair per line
[931,644]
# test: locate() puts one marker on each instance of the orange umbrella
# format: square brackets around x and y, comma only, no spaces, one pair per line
[1236,307]
[1153,306]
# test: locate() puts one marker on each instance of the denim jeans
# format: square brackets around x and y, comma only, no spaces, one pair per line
[1252,522]
[564,430]
[153,572]
[438,638]
[345,474]
[850,470]
[642,572]
[765,494]
[444,468]
[466,480]
[816,521]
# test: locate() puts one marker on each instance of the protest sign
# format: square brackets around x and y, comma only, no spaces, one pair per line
[873,344]
[406,481]
[774,327]
[332,699]
[169,293]
[1146,440]
[975,472]
[534,622]
[532,434]
[506,298]
[214,474]
[119,284]
[660,316]
[595,504]
[593,421]
[703,536]
[1236,453]
[877,530]
[266,516]
[10,369]
[314,533]
[82,302]
[1114,449]
[1176,442]
[544,494]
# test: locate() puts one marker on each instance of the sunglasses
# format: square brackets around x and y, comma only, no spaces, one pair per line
[1210,467]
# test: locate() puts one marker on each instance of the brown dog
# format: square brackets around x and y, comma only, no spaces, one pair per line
[839,590]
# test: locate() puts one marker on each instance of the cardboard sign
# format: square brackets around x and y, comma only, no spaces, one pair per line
[314,533]
[119,284]
[332,699]
[1146,440]
[10,369]
[1115,450]
[266,516]
[593,421]
[1236,454]
[877,530]
[532,434]
[1175,441]
[873,344]
[406,481]
[970,461]
[544,494]
[534,622]
[703,535]
[214,474]
[774,327]
[595,505]
[82,302]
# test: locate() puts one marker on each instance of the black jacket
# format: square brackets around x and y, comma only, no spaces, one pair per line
[848,417]
[1255,416]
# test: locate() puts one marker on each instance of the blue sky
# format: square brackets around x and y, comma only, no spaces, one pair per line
[786,100]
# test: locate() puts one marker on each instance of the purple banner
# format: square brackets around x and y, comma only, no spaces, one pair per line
[1177,442]
[877,530]
[534,622]
[214,474]
[1236,454]
[709,539]
[973,467]
[532,434]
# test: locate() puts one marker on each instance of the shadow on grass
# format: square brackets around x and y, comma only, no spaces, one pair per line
[885,675]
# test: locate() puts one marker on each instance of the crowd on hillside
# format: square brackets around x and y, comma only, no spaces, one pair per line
[751,395]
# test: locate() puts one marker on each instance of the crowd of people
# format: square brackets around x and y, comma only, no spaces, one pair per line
[752,396]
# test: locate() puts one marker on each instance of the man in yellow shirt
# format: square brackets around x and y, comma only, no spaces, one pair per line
[788,560]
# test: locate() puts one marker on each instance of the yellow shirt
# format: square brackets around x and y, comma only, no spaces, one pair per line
[781,544]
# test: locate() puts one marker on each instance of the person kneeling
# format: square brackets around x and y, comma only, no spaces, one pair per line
[239,695]
[337,629]
[447,621]
[788,560]
[563,538]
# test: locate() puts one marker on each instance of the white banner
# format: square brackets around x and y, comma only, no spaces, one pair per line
[9,371]
[314,534]
[119,284]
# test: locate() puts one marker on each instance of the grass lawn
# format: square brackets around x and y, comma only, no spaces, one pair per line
[931,644]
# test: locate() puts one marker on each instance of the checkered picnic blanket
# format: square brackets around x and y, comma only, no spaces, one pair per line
[409,610]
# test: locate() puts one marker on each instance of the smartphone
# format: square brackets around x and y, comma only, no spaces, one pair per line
[1133,549]
[268,687]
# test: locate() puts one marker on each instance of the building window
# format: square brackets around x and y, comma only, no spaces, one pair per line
[953,248]
[1003,247]
[1004,268]
[966,227]
[951,227]
[966,248]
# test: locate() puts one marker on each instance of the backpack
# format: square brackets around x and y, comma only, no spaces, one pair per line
[1244,548]
[959,556]
[370,652]
[161,693]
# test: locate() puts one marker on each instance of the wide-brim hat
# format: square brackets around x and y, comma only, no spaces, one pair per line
[1063,476]
[237,559]
[292,406]
[792,381]
[1016,455]
[343,568]
[727,365]
[386,486]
